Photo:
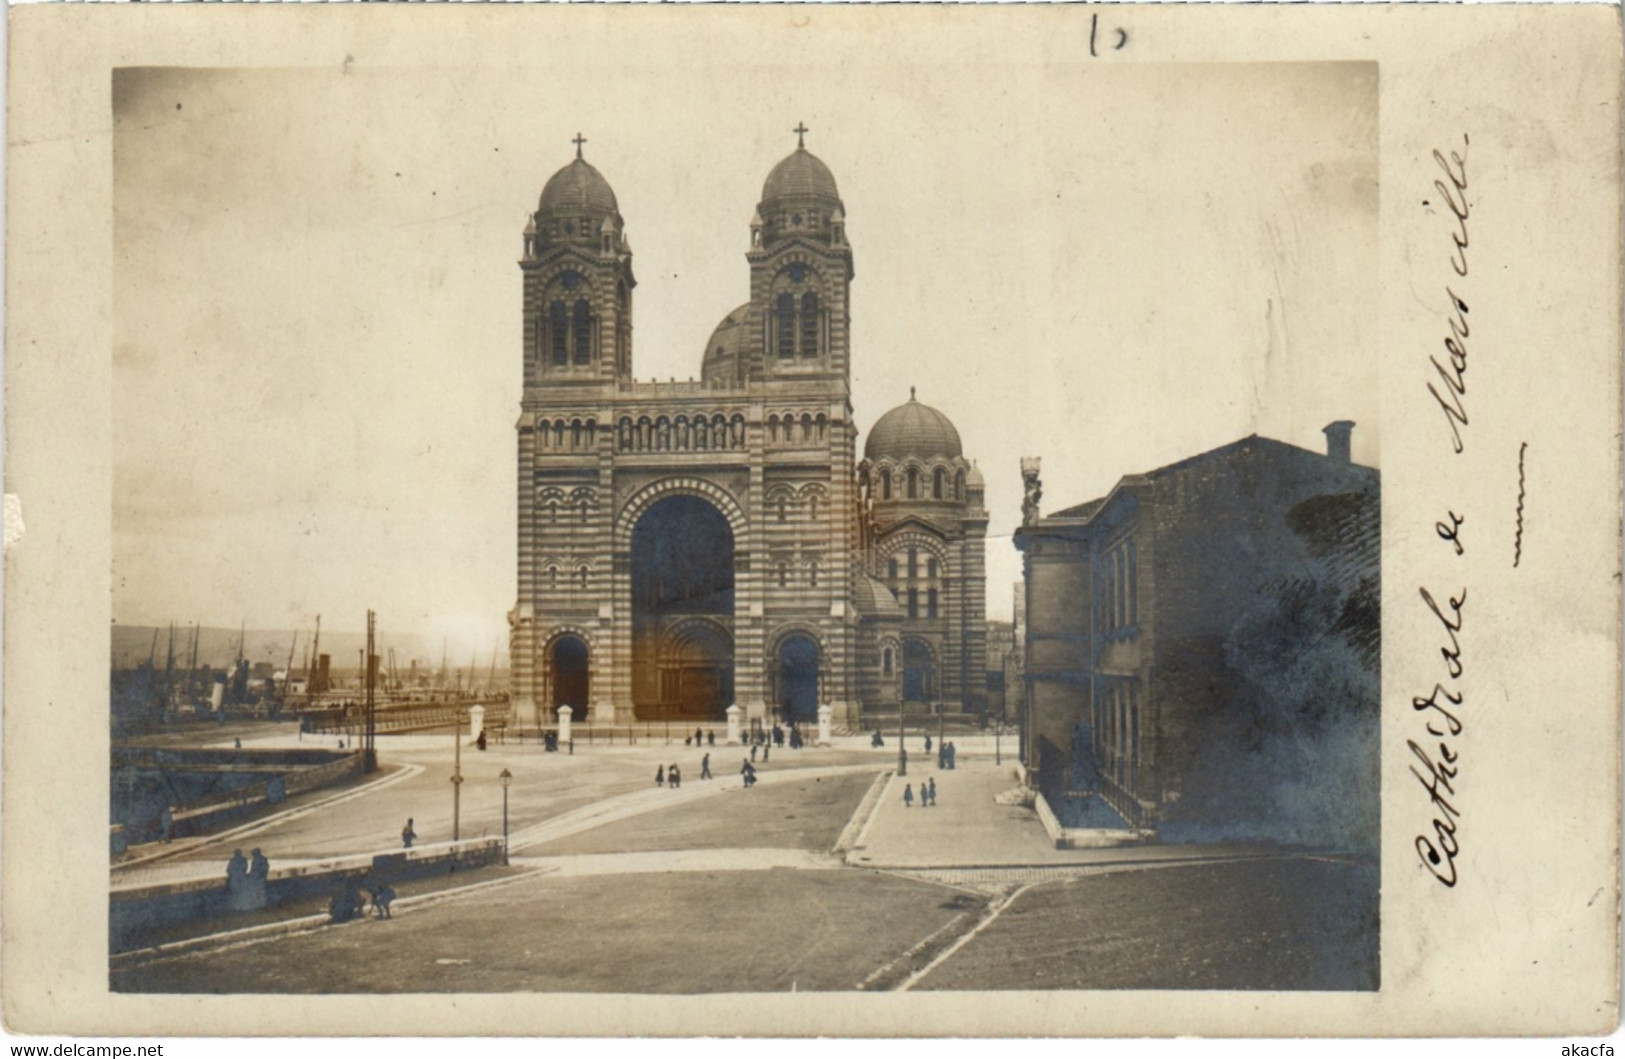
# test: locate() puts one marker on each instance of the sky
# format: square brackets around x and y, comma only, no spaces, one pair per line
[317,303]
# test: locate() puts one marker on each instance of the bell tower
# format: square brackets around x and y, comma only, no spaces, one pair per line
[800,272]
[578,282]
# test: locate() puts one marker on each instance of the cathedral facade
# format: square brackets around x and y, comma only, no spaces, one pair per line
[687,546]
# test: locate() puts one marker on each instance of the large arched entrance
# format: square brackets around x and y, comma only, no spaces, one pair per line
[682,569]
[919,672]
[797,697]
[571,682]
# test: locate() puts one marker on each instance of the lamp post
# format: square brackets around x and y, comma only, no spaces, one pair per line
[902,754]
[506,777]
[457,776]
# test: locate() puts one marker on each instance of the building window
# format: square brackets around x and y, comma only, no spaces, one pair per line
[931,569]
[786,326]
[809,324]
[959,486]
[558,326]
[913,484]
[552,577]
[930,603]
[581,577]
[885,661]
[937,479]
[812,507]
[581,327]
[913,563]
[913,603]
[891,570]
[812,574]
[783,507]
[784,575]
[885,485]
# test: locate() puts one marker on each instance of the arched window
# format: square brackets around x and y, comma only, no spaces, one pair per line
[931,569]
[552,511]
[581,577]
[784,574]
[783,507]
[891,569]
[584,512]
[812,574]
[575,434]
[552,577]
[913,563]
[558,329]
[885,485]
[786,325]
[913,603]
[930,603]
[885,661]
[806,427]
[809,324]
[812,507]
[581,327]
[913,483]
[937,478]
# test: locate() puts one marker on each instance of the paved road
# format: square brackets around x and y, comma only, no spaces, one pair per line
[621,886]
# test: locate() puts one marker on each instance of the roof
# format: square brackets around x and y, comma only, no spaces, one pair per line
[802,174]
[577,187]
[912,429]
[872,597]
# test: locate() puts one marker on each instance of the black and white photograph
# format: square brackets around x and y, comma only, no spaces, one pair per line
[877,571]
[646,515]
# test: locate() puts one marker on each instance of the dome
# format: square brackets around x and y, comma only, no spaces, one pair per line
[576,188]
[974,479]
[801,175]
[912,429]
[723,349]
[873,597]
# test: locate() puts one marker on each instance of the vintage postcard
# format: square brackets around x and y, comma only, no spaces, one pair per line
[1109,511]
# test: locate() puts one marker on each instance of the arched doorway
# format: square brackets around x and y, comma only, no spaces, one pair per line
[682,569]
[696,672]
[919,672]
[571,682]
[798,679]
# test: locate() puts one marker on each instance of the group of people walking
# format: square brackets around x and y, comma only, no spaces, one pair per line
[928,794]
[710,738]
[247,882]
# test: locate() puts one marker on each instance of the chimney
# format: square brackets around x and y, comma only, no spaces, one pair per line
[1337,439]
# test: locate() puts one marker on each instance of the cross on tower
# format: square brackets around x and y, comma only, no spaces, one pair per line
[578,141]
[801,131]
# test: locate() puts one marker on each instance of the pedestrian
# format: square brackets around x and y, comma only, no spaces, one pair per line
[753,749]
[673,777]
[572,746]
[908,796]
[237,743]
[696,737]
[931,785]
[237,883]
[688,740]
[660,775]
[408,834]
[953,757]
[767,749]
[711,737]
[480,741]
[877,740]
[928,744]
[705,767]
[382,895]
[259,879]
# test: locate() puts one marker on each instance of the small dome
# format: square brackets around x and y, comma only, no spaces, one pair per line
[801,175]
[974,479]
[727,342]
[912,429]
[873,597]
[575,188]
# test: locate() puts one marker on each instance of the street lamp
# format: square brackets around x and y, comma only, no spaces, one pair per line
[506,777]
[457,775]
[902,753]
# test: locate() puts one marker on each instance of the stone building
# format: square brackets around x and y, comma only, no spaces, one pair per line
[1201,644]
[686,546]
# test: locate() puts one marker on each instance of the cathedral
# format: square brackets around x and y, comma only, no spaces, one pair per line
[688,546]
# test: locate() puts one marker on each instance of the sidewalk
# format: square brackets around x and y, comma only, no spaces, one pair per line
[968,829]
